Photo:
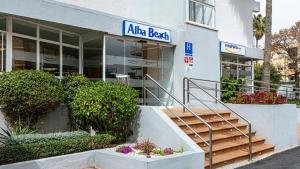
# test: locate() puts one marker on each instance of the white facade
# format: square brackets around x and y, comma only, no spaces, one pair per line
[227,20]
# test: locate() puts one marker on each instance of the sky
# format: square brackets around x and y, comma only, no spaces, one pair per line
[285,13]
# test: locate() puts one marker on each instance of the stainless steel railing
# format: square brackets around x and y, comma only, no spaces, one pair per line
[187,82]
[146,90]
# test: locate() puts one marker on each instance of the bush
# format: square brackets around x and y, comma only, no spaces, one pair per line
[26,95]
[25,152]
[107,107]
[230,88]
[71,84]
[34,138]
[261,97]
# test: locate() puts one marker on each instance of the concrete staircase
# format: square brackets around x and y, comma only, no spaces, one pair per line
[229,145]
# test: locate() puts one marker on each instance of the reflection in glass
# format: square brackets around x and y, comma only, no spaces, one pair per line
[24,53]
[114,57]
[3,24]
[200,13]
[24,28]
[49,34]
[49,54]
[70,60]
[70,39]
[92,58]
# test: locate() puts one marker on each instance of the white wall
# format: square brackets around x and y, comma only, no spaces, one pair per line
[234,21]
[276,123]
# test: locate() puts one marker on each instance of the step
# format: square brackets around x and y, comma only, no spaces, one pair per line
[216,129]
[222,137]
[200,112]
[239,155]
[233,145]
[212,121]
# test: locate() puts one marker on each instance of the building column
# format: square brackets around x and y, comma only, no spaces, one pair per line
[9,47]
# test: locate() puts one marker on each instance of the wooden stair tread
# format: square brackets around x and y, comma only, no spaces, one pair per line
[197,121]
[214,128]
[196,111]
[232,144]
[238,154]
[220,136]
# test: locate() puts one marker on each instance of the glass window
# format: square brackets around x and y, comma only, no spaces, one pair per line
[3,24]
[70,60]
[49,54]
[92,59]
[2,52]
[49,34]
[24,53]
[70,39]
[114,57]
[24,28]
[202,11]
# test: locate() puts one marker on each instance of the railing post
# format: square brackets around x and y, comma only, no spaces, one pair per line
[216,91]
[188,90]
[210,149]
[286,93]
[250,142]
[144,91]
[184,93]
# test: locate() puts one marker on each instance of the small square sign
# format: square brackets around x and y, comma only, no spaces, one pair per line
[188,49]
[191,60]
[186,60]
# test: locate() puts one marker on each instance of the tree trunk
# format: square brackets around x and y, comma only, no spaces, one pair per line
[268,46]
[256,43]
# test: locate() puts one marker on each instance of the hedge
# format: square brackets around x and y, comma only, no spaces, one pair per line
[28,94]
[107,107]
[25,152]
[34,138]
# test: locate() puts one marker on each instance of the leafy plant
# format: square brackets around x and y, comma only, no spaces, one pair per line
[230,88]
[168,151]
[5,136]
[158,151]
[107,107]
[146,146]
[25,152]
[71,84]
[19,129]
[27,95]
[34,138]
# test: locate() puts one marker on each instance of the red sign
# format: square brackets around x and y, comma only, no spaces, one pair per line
[186,60]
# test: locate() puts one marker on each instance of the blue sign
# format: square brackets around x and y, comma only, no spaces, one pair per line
[146,32]
[188,49]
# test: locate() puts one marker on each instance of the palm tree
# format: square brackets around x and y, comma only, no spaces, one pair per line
[268,45]
[259,27]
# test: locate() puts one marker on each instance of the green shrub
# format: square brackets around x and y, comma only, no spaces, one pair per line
[230,88]
[107,107]
[71,84]
[26,95]
[34,138]
[25,152]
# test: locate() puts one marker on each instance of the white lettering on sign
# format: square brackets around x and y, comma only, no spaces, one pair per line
[146,32]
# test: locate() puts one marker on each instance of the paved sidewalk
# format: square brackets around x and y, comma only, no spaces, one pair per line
[289,159]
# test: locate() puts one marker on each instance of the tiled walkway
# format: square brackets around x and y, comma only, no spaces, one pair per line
[286,160]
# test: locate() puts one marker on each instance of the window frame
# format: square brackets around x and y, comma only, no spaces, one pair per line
[39,40]
[212,6]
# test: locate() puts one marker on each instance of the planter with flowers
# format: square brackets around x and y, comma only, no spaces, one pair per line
[270,117]
[147,155]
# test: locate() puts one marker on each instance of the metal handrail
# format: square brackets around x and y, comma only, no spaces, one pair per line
[254,88]
[210,144]
[189,80]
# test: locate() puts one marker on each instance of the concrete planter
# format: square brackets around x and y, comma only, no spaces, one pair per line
[109,159]
[276,123]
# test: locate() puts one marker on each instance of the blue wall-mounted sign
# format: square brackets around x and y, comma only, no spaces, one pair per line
[146,32]
[188,49]
[233,48]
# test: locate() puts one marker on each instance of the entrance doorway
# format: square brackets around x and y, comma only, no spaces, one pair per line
[136,58]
